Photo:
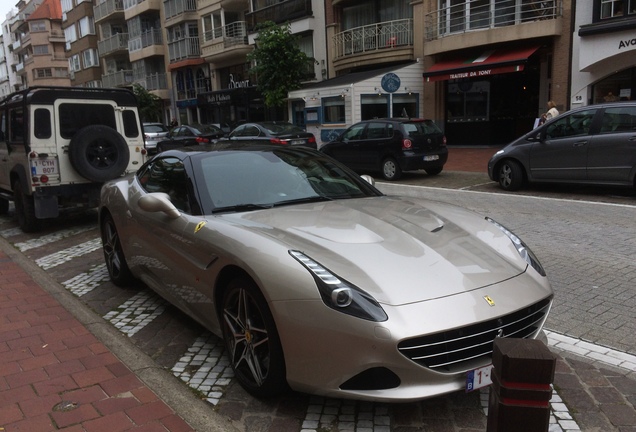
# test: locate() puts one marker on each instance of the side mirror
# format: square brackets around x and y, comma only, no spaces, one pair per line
[158,202]
[367,178]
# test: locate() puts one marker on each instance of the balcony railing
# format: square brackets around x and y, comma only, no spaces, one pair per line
[114,43]
[465,17]
[118,79]
[232,34]
[374,37]
[102,10]
[173,8]
[146,39]
[183,49]
[156,81]
[280,12]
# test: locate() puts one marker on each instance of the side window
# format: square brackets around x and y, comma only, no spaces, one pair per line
[42,123]
[376,131]
[16,125]
[167,175]
[575,124]
[619,119]
[74,117]
[354,133]
[251,131]
[131,126]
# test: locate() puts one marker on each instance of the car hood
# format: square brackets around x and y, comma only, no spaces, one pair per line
[399,250]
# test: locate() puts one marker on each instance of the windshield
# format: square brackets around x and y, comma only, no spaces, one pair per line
[249,180]
[281,128]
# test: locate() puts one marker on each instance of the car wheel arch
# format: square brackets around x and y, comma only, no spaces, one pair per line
[515,162]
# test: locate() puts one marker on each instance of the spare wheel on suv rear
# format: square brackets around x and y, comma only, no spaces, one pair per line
[99,153]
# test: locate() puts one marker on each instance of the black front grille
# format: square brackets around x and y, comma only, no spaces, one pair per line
[446,351]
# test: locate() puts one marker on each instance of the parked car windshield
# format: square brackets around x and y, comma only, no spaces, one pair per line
[154,128]
[206,129]
[245,180]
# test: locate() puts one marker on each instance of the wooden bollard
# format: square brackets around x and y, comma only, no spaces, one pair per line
[522,374]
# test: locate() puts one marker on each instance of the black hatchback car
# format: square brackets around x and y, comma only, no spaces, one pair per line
[390,146]
[274,132]
[595,144]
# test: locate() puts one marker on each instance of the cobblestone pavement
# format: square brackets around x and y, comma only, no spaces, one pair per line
[590,327]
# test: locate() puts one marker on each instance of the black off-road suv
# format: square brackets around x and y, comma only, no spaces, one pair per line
[58,145]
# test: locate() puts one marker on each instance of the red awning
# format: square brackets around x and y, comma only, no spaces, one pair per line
[482,63]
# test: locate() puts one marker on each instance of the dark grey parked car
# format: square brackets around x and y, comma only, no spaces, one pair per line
[594,144]
[390,146]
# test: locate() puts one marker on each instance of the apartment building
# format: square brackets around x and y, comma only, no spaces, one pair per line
[81,43]
[39,44]
[207,55]
[5,87]
[604,52]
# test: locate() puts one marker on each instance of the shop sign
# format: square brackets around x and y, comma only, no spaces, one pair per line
[217,98]
[237,84]
[627,43]
[390,83]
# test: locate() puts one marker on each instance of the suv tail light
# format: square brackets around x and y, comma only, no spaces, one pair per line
[406,144]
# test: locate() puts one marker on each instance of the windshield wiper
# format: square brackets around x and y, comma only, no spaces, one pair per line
[311,199]
[242,208]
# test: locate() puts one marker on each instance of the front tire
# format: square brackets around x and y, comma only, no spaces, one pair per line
[25,209]
[391,169]
[252,340]
[433,171]
[114,255]
[510,175]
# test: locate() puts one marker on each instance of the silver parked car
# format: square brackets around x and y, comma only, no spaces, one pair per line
[314,278]
[594,144]
[153,133]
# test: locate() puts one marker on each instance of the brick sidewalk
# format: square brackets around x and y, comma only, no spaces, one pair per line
[469,159]
[56,375]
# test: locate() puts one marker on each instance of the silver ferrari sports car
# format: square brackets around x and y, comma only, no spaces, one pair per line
[316,280]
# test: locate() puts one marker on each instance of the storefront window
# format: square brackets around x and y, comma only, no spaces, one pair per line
[468,101]
[617,87]
[405,105]
[333,109]
[374,106]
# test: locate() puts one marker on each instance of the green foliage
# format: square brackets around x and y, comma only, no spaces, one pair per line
[150,105]
[279,65]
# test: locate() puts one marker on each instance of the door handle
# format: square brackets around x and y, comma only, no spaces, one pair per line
[580,143]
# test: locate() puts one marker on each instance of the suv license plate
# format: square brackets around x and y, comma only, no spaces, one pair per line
[44,167]
[431,158]
[478,378]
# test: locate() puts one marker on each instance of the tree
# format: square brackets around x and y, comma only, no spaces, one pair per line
[279,64]
[150,105]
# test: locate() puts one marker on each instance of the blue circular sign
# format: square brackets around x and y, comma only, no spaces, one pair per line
[390,82]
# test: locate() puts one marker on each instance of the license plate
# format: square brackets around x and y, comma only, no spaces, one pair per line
[298,142]
[44,167]
[431,158]
[478,378]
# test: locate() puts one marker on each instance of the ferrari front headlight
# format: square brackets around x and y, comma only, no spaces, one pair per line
[523,250]
[339,294]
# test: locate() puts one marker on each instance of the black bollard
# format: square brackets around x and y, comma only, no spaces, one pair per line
[523,371]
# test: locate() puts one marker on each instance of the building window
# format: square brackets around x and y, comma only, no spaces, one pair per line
[468,101]
[333,109]
[90,58]
[37,26]
[74,63]
[86,26]
[620,86]
[43,73]
[374,106]
[70,34]
[67,5]
[40,49]
[616,8]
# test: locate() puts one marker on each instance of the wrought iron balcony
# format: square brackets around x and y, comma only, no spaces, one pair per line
[380,36]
